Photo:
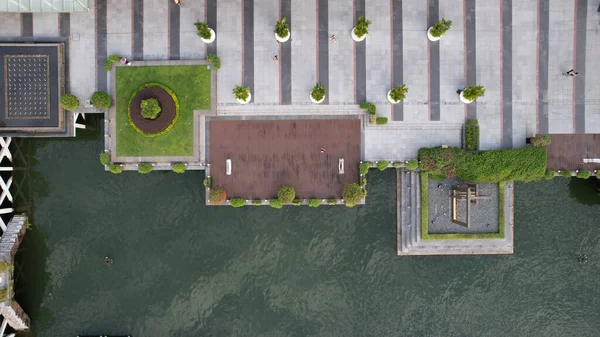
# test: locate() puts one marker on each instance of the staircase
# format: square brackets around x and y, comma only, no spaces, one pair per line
[409,209]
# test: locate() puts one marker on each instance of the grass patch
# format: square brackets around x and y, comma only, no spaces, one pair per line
[191,85]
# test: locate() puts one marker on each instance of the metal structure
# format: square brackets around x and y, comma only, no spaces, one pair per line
[469,194]
[36,6]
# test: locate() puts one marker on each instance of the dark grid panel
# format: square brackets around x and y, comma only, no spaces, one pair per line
[27,86]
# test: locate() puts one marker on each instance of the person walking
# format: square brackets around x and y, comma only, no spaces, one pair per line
[177,2]
[275,58]
[333,38]
[571,72]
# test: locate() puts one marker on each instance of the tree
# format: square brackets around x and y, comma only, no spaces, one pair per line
[353,194]
[69,102]
[286,194]
[217,196]
[101,100]
[150,108]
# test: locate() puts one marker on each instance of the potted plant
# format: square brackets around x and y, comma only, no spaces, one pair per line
[282,30]
[471,93]
[206,33]
[361,29]
[438,29]
[397,94]
[317,94]
[242,94]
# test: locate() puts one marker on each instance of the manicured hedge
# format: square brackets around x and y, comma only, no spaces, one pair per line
[144,168]
[364,167]
[206,182]
[214,60]
[331,202]
[101,100]
[237,202]
[69,102]
[257,202]
[104,158]
[472,135]
[382,165]
[584,174]
[275,203]
[296,202]
[412,165]
[178,167]
[286,194]
[381,120]
[314,203]
[527,164]
[549,174]
[565,174]
[114,168]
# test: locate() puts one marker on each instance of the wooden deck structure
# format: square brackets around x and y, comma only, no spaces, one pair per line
[268,154]
[566,152]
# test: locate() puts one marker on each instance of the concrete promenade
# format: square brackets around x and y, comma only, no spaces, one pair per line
[517,49]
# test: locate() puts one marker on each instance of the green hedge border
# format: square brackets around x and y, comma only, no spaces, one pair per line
[460,236]
[170,126]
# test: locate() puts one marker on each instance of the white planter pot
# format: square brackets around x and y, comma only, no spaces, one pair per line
[390,98]
[283,39]
[246,101]
[315,101]
[356,38]
[213,36]
[463,99]
[431,37]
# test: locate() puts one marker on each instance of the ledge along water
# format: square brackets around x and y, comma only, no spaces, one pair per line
[183,268]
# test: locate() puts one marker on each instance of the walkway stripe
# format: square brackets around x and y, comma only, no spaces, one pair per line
[542,78]
[174,12]
[323,46]
[470,54]
[433,16]
[101,45]
[506,85]
[285,54]
[248,49]
[26,24]
[138,29]
[211,18]
[579,80]
[397,60]
[64,28]
[360,52]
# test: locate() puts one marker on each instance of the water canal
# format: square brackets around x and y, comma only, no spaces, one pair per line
[184,269]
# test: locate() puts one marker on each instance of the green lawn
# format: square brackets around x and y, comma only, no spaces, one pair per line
[191,84]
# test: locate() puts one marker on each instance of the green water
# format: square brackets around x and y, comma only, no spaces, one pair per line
[184,269]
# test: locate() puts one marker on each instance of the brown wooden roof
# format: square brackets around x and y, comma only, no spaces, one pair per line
[566,152]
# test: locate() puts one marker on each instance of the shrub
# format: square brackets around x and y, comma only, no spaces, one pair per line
[4,294]
[398,164]
[257,202]
[178,167]
[114,168]
[275,203]
[318,92]
[282,29]
[439,28]
[381,121]
[150,108]
[206,182]
[286,194]
[237,202]
[584,174]
[549,174]
[540,140]
[353,194]
[412,165]
[241,92]
[361,27]
[4,266]
[173,122]
[69,102]
[296,202]
[363,181]
[372,119]
[203,29]
[398,93]
[382,165]
[473,92]
[370,107]
[364,167]
[145,168]
[331,202]
[101,100]
[214,60]
[472,135]
[217,196]
[110,61]
[314,203]
[565,174]
[104,158]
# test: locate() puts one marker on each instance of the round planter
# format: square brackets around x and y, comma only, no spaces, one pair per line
[283,39]
[246,101]
[315,101]
[356,38]
[431,37]
[213,36]
[390,98]
[463,99]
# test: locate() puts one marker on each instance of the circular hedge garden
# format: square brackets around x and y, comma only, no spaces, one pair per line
[153,109]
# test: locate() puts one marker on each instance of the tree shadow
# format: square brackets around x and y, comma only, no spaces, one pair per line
[585,191]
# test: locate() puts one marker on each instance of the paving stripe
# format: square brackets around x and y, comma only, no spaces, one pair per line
[26,24]
[174,22]
[397,60]
[579,80]
[285,54]
[64,28]
[506,69]
[323,46]
[542,78]
[360,56]
[101,45]
[248,50]
[470,54]
[138,29]
[433,16]
[211,18]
